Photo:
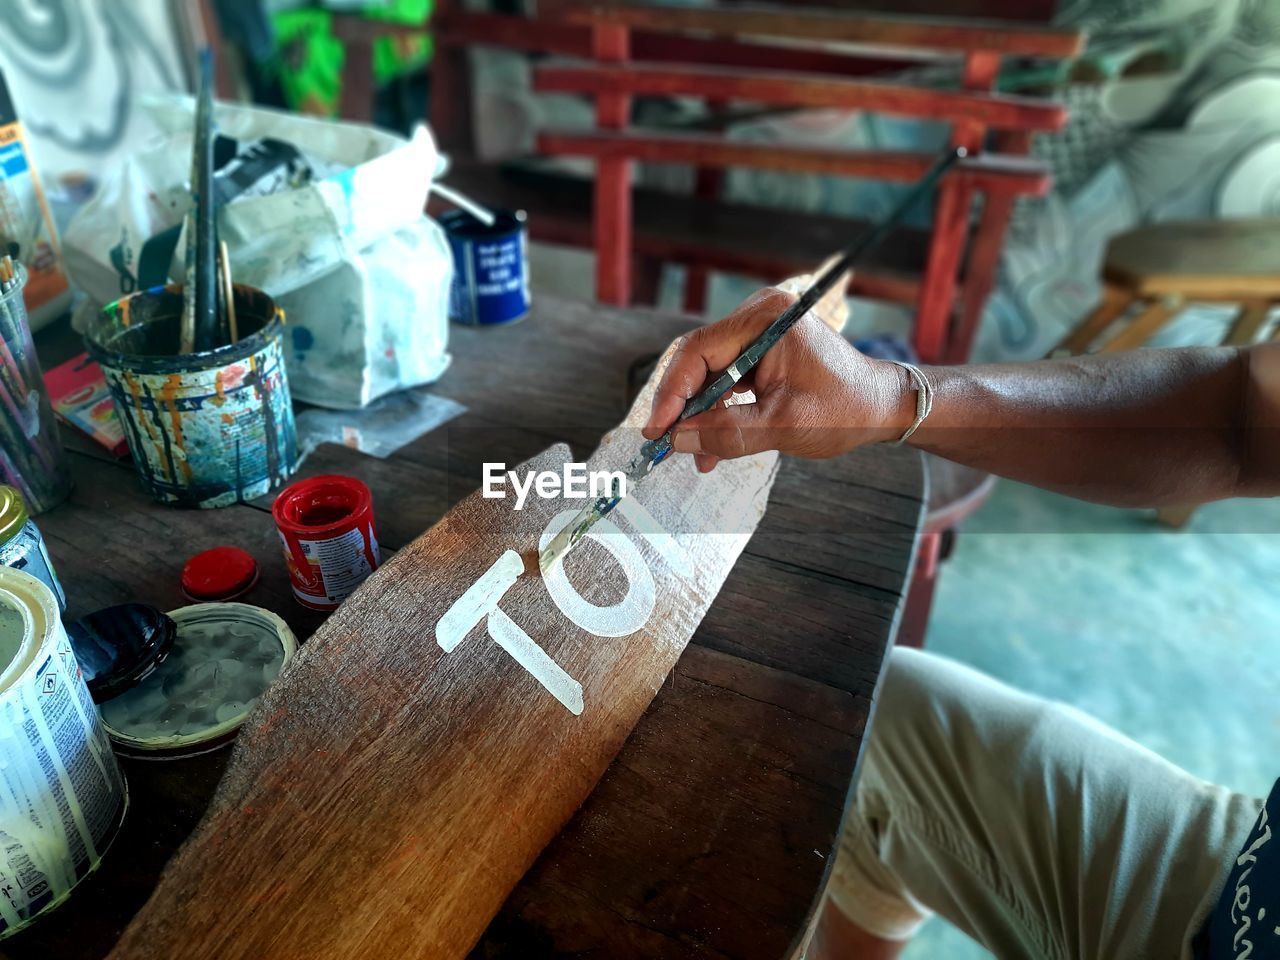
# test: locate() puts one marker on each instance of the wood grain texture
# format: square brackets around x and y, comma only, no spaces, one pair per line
[389,793]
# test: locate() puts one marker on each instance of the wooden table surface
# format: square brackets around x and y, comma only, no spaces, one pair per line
[712,832]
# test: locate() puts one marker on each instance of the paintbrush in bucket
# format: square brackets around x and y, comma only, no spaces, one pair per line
[653,452]
[199,330]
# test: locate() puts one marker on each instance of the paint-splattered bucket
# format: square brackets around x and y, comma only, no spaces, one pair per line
[490,268]
[62,798]
[205,429]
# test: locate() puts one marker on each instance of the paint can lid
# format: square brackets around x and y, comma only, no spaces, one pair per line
[117,647]
[222,573]
[224,657]
[13,513]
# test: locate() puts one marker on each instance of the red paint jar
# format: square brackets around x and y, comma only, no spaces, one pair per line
[330,541]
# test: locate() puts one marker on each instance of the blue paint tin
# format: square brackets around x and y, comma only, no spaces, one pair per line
[491,268]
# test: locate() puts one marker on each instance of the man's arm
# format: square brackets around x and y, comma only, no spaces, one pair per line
[1147,428]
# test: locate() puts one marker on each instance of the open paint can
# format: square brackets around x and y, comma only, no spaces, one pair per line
[62,798]
[205,429]
[222,658]
[330,541]
[491,268]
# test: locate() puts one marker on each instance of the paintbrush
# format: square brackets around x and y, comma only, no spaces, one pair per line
[199,329]
[653,452]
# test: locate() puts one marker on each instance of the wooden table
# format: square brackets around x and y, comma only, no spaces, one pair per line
[712,832]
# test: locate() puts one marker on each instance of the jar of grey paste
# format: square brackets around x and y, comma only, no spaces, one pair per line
[22,547]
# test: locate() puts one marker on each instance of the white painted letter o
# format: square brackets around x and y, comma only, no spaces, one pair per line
[624,617]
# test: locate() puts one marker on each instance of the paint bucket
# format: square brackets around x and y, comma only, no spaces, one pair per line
[21,545]
[491,268]
[205,429]
[62,798]
[330,541]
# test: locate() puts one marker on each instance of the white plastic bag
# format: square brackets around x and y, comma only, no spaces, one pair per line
[362,274]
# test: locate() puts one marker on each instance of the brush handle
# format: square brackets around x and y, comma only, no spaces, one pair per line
[655,451]
[204,293]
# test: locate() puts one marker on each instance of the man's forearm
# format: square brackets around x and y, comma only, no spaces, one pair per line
[1148,428]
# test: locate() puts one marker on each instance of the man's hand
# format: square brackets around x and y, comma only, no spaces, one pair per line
[815,395]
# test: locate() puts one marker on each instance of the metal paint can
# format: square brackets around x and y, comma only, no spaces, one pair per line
[22,547]
[205,429]
[330,541]
[62,797]
[491,268]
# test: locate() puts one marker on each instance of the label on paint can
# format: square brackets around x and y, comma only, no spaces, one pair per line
[491,268]
[26,551]
[337,566]
[329,538]
[62,798]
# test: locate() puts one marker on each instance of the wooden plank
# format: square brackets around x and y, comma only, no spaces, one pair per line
[612,209]
[713,51]
[356,99]
[1249,320]
[1208,259]
[544,35]
[534,34]
[937,289]
[404,772]
[832,27]
[1143,326]
[451,92]
[1115,303]
[989,173]
[801,90]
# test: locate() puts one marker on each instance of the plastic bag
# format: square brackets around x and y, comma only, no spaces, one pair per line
[362,274]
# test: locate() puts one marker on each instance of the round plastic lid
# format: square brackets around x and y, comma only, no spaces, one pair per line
[222,573]
[225,656]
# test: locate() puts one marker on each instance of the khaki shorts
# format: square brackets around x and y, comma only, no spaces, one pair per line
[1033,828]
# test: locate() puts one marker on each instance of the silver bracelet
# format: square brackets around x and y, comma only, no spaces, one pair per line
[924,400]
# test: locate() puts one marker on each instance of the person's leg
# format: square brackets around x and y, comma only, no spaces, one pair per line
[1033,828]
[836,936]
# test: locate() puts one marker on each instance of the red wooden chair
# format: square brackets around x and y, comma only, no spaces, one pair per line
[954,272]
[745,53]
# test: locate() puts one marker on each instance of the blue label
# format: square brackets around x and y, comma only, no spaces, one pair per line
[490,280]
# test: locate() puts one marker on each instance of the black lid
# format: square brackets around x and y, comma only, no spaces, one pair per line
[118,646]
